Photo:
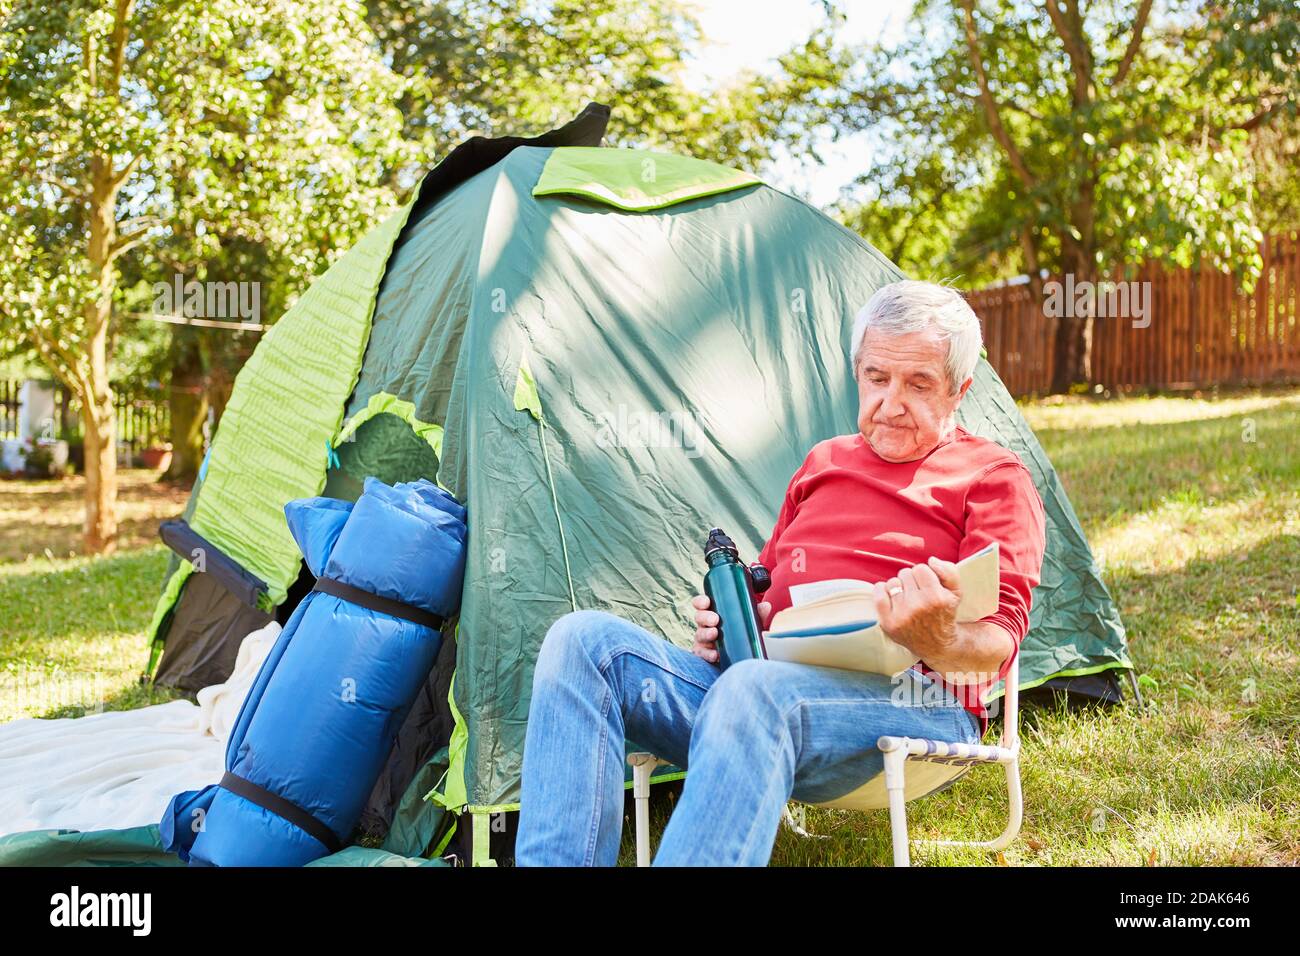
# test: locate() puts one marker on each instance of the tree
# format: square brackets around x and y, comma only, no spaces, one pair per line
[142,140]
[1087,140]
[1255,58]
[487,66]
[272,115]
[67,163]
[513,67]
[297,179]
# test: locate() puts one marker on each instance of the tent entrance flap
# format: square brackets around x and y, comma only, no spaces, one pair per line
[207,558]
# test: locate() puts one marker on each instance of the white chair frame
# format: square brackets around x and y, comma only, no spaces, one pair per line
[897,751]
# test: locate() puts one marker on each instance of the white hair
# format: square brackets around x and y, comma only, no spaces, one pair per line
[911,306]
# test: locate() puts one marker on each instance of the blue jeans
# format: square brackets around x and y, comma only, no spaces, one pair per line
[752,738]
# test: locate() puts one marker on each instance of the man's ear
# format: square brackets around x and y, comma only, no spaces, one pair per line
[961,392]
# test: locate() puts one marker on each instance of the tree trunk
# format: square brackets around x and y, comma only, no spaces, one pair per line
[1070,353]
[189,406]
[218,360]
[97,411]
[1072,349]
[99,422]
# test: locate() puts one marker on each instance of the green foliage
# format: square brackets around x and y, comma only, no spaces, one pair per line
[258,143]
[1259,41]
[1255,46]
[1095,139]
[250,139]
[515,67]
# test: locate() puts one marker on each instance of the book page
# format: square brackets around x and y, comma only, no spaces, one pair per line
[978,574]
[979,577]
[831,623]
[816,590]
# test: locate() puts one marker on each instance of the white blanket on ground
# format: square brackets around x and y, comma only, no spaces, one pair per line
[119,769]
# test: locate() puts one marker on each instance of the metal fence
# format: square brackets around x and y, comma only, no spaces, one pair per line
[143,416]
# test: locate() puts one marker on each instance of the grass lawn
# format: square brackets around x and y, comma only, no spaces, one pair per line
[71,628]
[1193,508]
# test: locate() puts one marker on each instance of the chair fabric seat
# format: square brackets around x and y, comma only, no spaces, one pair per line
[923,778]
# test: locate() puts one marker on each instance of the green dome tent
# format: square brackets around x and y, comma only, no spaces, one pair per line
[603,353]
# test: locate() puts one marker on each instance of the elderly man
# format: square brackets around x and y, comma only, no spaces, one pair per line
[897,502]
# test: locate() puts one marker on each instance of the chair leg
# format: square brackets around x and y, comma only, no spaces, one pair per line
[895,760]
[794,818]
[643,765]
[1016,816]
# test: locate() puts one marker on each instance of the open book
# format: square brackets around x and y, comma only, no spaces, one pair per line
[833,623]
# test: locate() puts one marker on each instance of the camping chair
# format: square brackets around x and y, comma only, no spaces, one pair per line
[940,763]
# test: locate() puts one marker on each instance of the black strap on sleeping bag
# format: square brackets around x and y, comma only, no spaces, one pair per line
[281,807]
[375,602]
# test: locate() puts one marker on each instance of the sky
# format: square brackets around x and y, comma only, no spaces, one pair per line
[750,33]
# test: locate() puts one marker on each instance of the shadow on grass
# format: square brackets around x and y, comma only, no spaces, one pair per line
[1222,631]
[130,697]
[73,633]
[41,516]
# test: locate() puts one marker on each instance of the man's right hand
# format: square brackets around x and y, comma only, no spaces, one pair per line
[706,626]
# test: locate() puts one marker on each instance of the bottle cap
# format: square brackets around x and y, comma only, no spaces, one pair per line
[718,541]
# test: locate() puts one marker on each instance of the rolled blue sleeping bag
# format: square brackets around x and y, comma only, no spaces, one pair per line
[320,719]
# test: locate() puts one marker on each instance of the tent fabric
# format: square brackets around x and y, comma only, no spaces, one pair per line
[1074,626]
[188,543]
[385,447]
[399,794]
[207,625]
[282,415]
[318,723]
[734,340]
[635,181]
[142,846]
[369,856]
[609,385]
[164,612]
[479,153]
[415,820]
[128,846]
[118,769]
[385,404]
[733,330]
[299,376]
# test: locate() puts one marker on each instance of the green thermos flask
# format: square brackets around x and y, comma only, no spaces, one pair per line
[733,591]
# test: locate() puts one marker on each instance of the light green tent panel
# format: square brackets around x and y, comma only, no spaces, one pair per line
[650,181]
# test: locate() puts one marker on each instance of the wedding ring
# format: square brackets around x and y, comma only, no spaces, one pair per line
[893,591]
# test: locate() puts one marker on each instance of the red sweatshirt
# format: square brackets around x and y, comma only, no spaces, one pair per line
[848,513]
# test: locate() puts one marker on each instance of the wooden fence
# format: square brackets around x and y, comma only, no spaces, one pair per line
[1203,330]
[143,417]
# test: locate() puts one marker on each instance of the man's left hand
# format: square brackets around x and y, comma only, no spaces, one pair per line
[918,609]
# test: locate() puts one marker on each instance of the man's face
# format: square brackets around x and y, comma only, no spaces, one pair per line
[905,405]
